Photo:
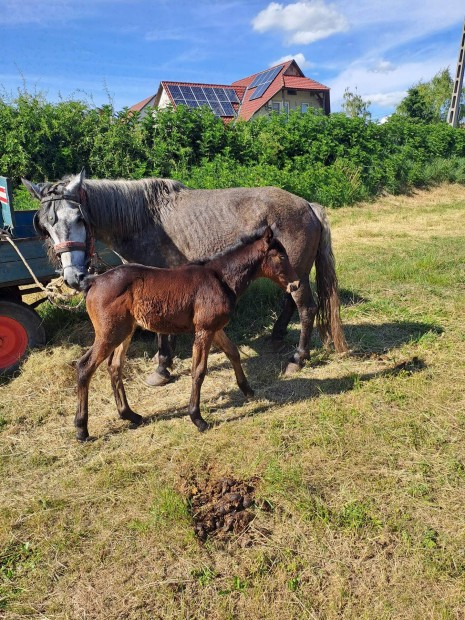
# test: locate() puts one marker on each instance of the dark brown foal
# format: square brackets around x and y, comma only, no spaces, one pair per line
[197,297]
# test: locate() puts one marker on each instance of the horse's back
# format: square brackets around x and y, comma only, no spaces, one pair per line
[203,222]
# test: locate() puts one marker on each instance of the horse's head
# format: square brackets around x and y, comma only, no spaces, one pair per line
[276,264]
[61,217]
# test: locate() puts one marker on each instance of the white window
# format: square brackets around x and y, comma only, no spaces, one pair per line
[304,107]
[277,106]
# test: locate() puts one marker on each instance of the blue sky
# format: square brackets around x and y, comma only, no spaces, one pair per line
[122,49]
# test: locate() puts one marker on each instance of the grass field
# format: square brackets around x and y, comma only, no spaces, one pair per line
[357,463]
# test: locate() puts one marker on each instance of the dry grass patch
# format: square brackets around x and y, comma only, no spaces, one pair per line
[357,462]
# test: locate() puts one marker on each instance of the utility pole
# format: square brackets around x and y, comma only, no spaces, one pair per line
[453,116]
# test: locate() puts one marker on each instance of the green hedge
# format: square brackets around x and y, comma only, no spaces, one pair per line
[334,159]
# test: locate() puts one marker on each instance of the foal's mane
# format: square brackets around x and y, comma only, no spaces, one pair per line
[243,241]
[128,206]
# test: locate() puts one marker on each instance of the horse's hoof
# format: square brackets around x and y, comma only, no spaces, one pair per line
[250,394]
[292,368]
[84,437]
[155,379]
[201,425]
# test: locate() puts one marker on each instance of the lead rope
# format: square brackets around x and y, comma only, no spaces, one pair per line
[54,289]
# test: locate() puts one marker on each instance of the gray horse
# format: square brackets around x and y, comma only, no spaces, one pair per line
[162,223]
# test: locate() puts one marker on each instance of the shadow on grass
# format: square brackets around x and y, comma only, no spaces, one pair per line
[350,298]
[265,372]
[282,392]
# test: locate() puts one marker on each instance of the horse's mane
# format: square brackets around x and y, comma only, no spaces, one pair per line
[128,206]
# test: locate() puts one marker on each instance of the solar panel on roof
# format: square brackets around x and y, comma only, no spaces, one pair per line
[199,94]
[186,92]
[262,81]
[228,109]
[209,94]
[265,76]
[216,98]
[260,91]
[175,91]
[231,95]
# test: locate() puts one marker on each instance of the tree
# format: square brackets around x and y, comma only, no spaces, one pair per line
[428,101]
[354,106]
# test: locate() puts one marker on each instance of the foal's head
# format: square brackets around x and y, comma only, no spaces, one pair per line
[275,264]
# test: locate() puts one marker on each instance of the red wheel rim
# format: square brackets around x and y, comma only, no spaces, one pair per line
[13,341]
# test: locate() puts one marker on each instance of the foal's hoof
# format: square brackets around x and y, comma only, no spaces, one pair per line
[134,418]
[156,379]
[83,436]
[292,368]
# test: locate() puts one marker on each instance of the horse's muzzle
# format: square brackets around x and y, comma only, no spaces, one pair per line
[74,278]
[292,287]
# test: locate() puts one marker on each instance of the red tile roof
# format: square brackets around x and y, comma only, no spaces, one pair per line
[137,107]
[302,83]
[247,108]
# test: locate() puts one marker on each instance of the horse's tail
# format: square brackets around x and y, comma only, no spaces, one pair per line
[328,310]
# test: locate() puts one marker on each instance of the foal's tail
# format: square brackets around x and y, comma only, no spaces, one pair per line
[328,311]
[87,284]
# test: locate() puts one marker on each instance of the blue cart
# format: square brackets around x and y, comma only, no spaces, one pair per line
[20,326]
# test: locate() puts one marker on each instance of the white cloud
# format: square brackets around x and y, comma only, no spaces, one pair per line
[306,21]
[382,66]
[383,89]
[386,100]
[299,58]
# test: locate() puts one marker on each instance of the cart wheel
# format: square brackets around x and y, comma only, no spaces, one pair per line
[21,329]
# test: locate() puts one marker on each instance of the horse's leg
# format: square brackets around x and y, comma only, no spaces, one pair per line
[200,350]
[85,368]
[115,368]
[307,311]
[232,353]
[164,359]
[280,327]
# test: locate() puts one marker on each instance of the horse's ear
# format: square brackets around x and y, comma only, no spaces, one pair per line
[76,182]
[37,227]
[268,235]
[33,189]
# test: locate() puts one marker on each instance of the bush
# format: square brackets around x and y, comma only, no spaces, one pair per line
[334,159]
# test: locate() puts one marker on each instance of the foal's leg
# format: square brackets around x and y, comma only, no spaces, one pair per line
[85,368]
[200,350]
[164,358]
[280,327]
[115,368]
[232,353]
[307,311]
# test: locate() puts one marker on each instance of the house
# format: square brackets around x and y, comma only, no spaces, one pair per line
[281,88]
